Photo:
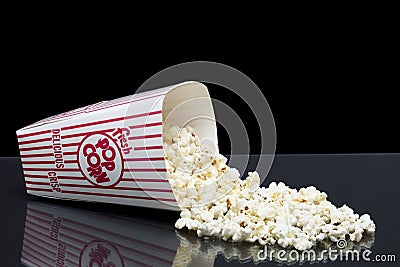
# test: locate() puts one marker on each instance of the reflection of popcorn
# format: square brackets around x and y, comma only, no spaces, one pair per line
[192,248]
[215,202]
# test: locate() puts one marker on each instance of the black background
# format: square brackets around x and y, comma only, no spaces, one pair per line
[330,92]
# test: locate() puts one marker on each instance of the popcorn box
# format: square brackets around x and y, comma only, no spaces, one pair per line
[112,151]
[61,236]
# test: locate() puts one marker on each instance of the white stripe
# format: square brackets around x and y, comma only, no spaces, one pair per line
[123,201]
[151,153]
[116,191]
[41,143]
[144,185]
[122,183]
[144,164]
[46,158]
[154,175]
[146,130]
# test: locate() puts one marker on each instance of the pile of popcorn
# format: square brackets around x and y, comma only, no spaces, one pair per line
[215,202]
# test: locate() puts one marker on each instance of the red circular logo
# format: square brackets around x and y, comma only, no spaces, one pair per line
[100,253]
[100,160]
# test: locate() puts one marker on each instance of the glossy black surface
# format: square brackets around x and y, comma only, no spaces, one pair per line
[368,183]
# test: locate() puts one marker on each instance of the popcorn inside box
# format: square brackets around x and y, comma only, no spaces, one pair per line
[159,149]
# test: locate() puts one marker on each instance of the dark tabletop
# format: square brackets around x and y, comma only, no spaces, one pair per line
[368,183]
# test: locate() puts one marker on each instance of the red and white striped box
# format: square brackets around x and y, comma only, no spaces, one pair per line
[112,151]
[61,236]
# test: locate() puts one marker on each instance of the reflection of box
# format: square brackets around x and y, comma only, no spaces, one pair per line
[59,236]
[112,151]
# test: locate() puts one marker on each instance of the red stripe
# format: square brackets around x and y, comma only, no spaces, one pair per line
[144,136]
[70,153]
[71,177]
[38,189]
[119,235]
[70,161]
[113,188]
[38,162]
[40,212]
[32,134]
[75,231]
[35,148]
[71,144]
[146,170]
[148,147]
[145,180]
[28,262]
[85,133]
[34,141]
[37,155]
[118,196]
[39,246]
[111,120]
[145,125]
[144,159]
[34,257]
[46,169]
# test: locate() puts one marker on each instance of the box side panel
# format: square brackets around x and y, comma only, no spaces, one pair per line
[101,106]
[113,155]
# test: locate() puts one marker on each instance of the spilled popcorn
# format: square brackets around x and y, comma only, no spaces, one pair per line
[215,202]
